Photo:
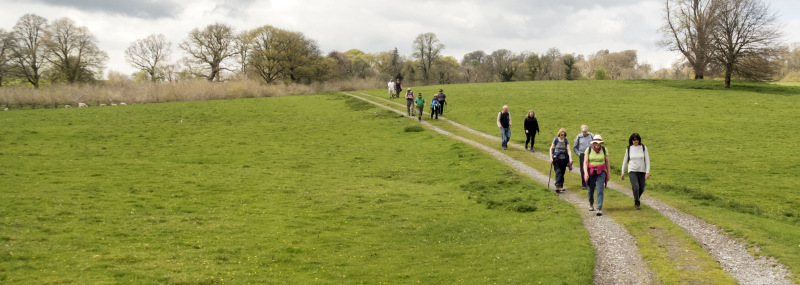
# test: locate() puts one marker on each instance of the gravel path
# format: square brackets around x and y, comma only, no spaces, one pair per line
[731,254]
[617,261]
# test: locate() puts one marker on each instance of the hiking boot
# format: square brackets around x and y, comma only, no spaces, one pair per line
[638,208]
[599,213]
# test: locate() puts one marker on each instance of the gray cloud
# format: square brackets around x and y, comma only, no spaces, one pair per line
[146,9]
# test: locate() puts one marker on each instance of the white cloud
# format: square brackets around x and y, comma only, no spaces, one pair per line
[573,26]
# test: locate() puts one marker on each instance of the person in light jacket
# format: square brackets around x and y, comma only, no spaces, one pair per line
[637,164]
[504,123]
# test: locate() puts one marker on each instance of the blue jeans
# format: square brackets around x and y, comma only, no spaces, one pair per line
[597,182]
[506,133]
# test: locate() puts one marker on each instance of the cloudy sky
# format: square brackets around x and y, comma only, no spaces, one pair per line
[572,26]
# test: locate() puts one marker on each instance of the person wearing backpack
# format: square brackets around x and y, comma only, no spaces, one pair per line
[442,101]
[595,168]
[582,142]
[531,129]
[637,163]
[409,101]
[435,106]
[420,105]
[560,157]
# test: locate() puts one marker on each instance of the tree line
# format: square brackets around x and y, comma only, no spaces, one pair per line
[730,38]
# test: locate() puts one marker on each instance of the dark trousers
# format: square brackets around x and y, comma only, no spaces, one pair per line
[441,107]
[530,138]
[409,105]
[637,185]
[420,112]
[560,166]
[434,112]
[581,156]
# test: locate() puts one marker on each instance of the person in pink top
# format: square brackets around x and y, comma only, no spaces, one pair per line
[595,172]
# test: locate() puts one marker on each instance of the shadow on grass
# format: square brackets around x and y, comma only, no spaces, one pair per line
[748,86]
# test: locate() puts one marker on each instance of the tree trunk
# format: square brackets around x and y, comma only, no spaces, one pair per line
[728,72]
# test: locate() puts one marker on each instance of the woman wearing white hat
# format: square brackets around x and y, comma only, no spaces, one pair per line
[595,169]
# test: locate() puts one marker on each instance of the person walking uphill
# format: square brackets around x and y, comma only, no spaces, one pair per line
[391,89]
[409,101]
[560,157]
[531,129]
[595,168]
[435,107]
[420,105]
[504,123]
[442,101]
[582,142]
[637,163]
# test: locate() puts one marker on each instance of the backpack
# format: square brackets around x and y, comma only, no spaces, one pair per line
[561,154]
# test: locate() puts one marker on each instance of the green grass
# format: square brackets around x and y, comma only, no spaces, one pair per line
[288,190]
[716,153]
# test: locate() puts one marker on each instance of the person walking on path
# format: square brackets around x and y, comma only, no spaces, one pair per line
[398,88]
[409,101]
[442,101]
[531,129]
[637,163]
[435,107]
[504,123]
[560,157]
[391,89]
[595,170]
[582,142]
[420,105]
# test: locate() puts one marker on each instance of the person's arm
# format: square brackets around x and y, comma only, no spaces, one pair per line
[586,167]
[624,165]
[575,148]
[647,164]
[552,146]
[569,153]
[498,120]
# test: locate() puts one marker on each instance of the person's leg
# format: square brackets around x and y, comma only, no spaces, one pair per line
[420,113]
[408,106]
[641,184]
[506,136]
[580,160]
[436,112]
[561,169]
[527,139]
[601,182]
[433,110]
[590,186]
[441,107]
[533,139]
[634,178]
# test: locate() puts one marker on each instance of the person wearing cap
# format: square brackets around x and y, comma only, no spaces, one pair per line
[398,87]
[391,89]
[409,101]
[420,105]
[582,141]
[442,101]
[435,107]
[504,123]
[595,168]
[560,157]
[637,163]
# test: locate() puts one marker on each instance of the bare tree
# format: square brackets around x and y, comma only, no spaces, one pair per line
[689,29]
[427,49]
[6,49]
[211,46]
[150,54]
[747,33]
[73,52]
[29,51]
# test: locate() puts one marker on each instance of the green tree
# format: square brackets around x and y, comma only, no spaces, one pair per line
[280,54]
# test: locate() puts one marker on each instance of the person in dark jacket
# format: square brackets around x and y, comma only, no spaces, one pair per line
[504,123]
[531,129]
[442,101]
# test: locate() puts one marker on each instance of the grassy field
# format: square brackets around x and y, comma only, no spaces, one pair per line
[289,190]
[723,155]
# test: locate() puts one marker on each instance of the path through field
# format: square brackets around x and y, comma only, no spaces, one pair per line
[618,261]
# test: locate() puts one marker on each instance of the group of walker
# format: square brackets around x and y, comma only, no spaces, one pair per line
[593,158]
